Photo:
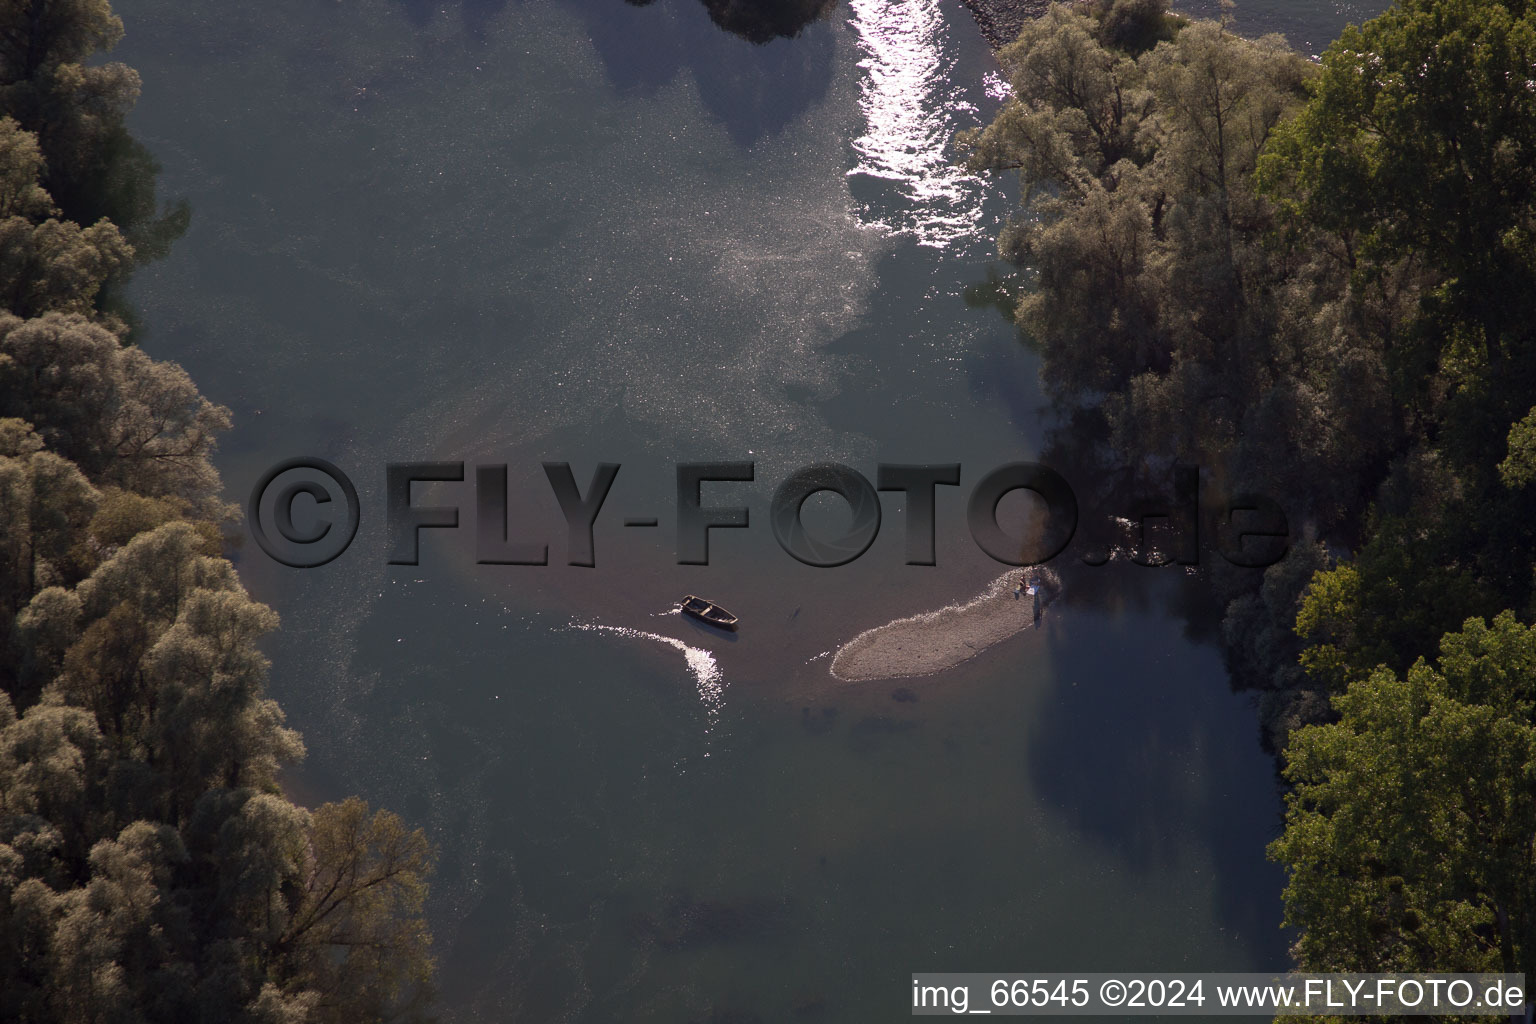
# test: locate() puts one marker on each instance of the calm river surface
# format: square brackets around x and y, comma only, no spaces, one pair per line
[589,231]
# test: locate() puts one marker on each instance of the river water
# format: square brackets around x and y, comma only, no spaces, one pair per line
[595,232]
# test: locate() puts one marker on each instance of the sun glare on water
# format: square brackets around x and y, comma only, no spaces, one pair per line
[912,110]
[707,677]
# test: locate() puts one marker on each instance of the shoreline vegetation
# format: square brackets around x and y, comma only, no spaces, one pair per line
[151,867]
[1319,280]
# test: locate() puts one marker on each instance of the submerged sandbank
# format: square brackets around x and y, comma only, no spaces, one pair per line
[933,641]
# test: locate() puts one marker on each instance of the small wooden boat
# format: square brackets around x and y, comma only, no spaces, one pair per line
[708,611]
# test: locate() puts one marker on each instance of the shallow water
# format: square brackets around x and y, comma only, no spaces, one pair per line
[584,232]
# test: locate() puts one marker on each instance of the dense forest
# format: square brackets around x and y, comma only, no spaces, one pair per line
[1316,279]
[151,869]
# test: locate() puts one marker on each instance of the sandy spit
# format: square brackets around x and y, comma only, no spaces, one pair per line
[933,641]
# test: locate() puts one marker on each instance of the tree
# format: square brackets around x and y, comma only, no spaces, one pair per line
[1314,282]
[150,867]
[1135,26]
[1418,148]
[45,503]
[47,263]
[1420,139]
[356,937]
[1519,466]
[1156,295]
[1319,284]
[94,168]
[1154,288]
[1409,830]
[123,418]
[1074,111]
[36,35]
[762,21]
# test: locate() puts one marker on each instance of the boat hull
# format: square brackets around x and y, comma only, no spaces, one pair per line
[708,613]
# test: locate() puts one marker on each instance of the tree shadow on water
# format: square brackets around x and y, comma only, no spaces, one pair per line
[1147,755]
[773,64]
[756,21]
[779,63]
[761,21]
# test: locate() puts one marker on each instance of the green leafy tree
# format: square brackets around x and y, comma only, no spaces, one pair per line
[1409,832]
[1420,139]
[1406,586]
[1519,466]
[1418,149]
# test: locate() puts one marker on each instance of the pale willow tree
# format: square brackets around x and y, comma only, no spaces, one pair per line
[151,863]
[151,870]
[47,263]
[125,419]
[76,108]
[1409,832]
[45,504]
[1176,315]
[362,896]
[1157,297]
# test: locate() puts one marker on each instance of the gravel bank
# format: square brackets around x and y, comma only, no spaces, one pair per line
[1001,20]
[920,645]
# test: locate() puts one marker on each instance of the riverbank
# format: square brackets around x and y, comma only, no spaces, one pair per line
[1001,21]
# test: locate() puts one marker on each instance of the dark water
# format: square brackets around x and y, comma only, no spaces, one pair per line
[584,232]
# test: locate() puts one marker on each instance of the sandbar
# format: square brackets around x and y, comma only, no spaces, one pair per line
[929,642]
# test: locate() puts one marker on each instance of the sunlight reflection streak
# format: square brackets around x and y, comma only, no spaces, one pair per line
[701,663]
[911,111]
